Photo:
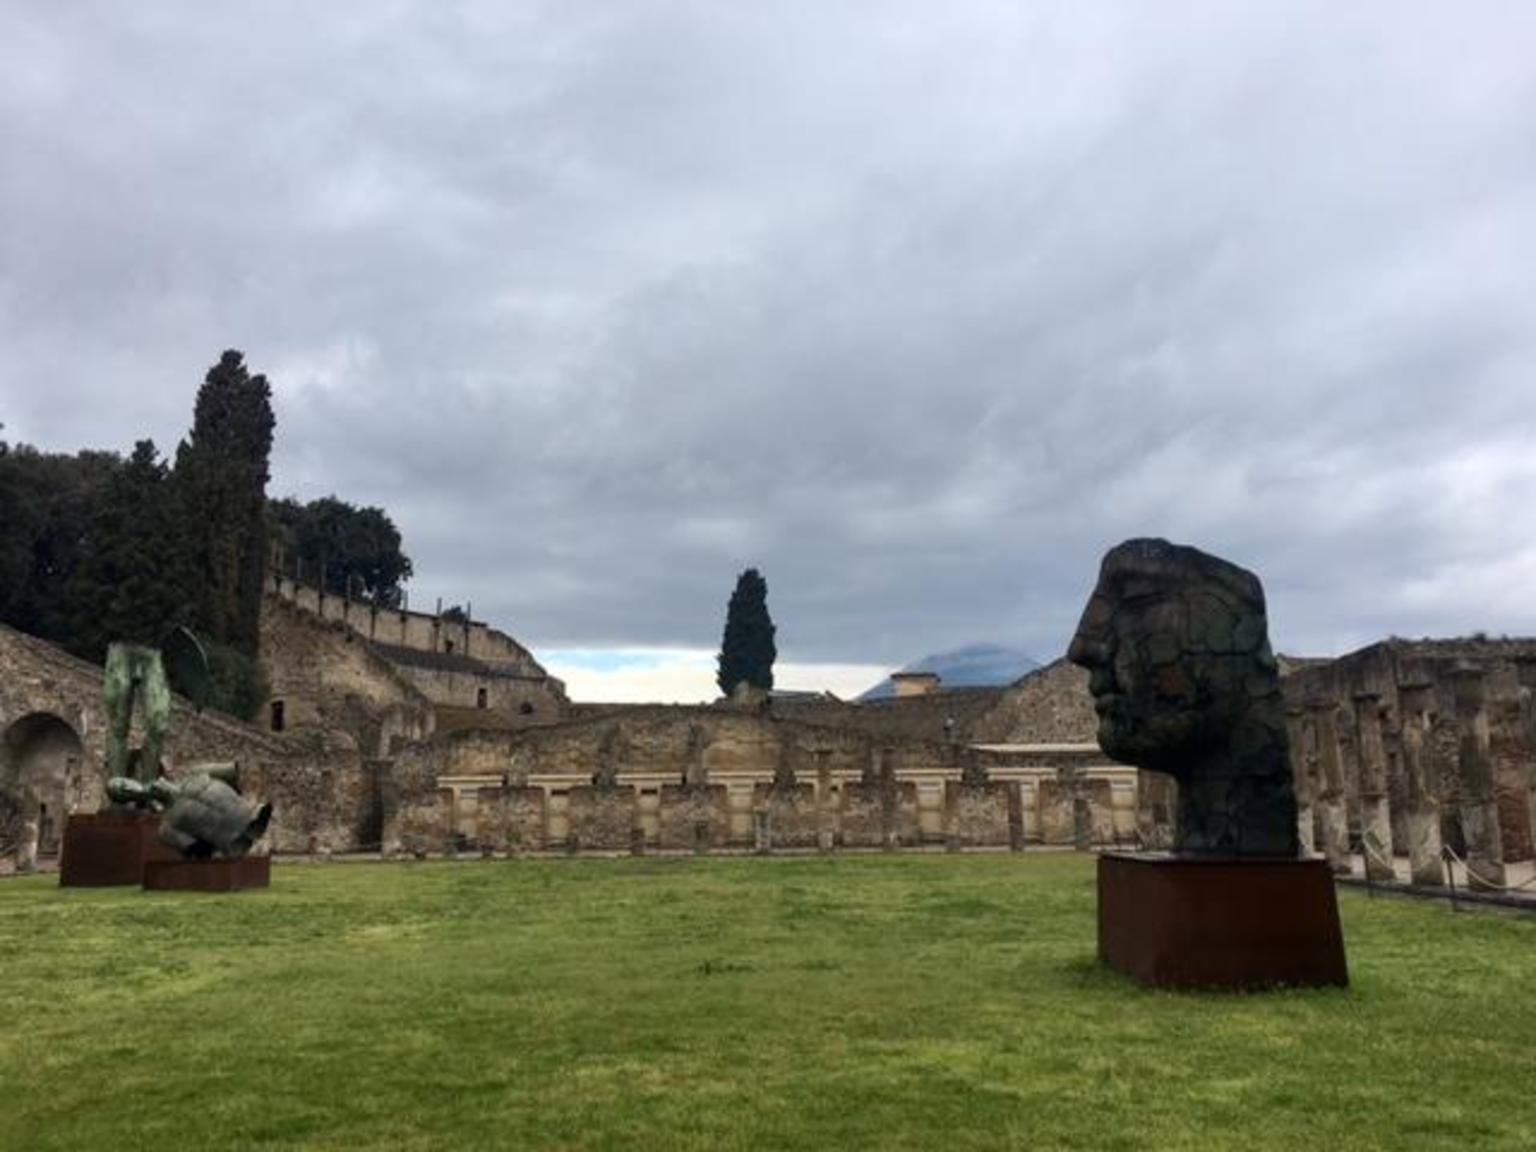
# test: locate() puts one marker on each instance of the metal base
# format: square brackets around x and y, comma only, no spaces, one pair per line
[108,849]
[1177,922]
[216,875]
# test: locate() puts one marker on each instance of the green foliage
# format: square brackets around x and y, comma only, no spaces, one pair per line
[46,510]
[221,478]
[238,685]
[358,549]
[891,1002]
[747,650]
[132,581]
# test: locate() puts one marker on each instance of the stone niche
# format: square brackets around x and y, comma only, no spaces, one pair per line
[603,817]
[693,816]
[879,811]
[1069,811]
[511,819]
[983,814]
[788,815]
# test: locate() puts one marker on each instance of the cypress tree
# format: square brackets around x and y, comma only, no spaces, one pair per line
[221,475]
[747,651]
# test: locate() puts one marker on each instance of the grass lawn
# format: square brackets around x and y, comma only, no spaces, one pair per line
[925,1002]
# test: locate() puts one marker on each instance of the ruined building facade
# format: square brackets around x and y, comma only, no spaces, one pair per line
[394,731]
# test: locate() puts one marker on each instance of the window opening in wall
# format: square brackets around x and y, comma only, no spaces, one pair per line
[448,646]
[480,698]
[277,716]
[525,708]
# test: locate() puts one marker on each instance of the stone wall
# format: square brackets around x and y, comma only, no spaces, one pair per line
[1407,745]
[686,778]
[420,631]
[456,664]
[1051,705]
[326,679]
[901,718]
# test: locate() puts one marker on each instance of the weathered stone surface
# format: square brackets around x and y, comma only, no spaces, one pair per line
[1423,816]
[877,810]
[1375,816]
[791,816]
[693,816]
[1184,682]
[1478,807]
[979,814]
[601,819]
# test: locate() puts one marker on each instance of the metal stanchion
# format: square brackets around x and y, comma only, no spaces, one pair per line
[1450,877]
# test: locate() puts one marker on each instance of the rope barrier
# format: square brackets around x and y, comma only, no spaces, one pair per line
[1483,880]
[1448,854]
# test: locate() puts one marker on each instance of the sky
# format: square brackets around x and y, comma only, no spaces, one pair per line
[917,308]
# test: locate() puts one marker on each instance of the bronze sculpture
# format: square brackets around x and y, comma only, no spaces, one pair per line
[1184,682]
[204,815]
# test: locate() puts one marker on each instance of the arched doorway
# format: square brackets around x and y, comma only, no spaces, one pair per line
[41,761]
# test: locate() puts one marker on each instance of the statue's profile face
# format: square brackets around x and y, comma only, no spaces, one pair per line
[1169,647]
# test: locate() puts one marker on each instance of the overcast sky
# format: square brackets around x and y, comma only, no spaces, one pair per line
[916,307]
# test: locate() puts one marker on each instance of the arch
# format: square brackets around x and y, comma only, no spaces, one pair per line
[42,774]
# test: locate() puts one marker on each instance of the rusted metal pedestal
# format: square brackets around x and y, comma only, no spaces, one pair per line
[108,849]
[1176,922]
[220,874]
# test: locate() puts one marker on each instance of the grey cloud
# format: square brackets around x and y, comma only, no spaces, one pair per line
[918,314]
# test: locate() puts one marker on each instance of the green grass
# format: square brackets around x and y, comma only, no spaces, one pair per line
[924,1002]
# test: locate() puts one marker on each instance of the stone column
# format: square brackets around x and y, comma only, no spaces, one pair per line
[30,833]
[1397,782]
[1525,667]
[1333,818]
[1479,809]
[1417,755]
[1375,814]
[1301,776]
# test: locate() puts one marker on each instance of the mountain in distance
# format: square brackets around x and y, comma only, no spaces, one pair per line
[974,666]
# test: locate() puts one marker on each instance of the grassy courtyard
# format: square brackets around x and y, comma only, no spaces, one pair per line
[924,1002]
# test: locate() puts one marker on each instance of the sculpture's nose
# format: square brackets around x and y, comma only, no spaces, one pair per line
[1090,648]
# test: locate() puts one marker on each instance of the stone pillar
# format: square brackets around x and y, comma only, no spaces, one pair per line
[1375,815]
[1525,667]
[1301,777]
[1479,809]
[1082,815]
[826,807]
[1417,755]
[1333,818]
[29,834]
[1397,783]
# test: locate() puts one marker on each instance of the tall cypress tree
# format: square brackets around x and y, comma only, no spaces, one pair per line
[747,651]
[221,475]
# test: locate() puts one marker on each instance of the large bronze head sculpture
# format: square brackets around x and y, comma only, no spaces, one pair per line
[1177,649]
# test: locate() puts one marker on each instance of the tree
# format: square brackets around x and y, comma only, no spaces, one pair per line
[358,549]
[132,581]
[221,478]
[746,650]
[46,502]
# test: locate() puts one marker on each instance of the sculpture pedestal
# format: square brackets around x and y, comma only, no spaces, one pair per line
[1178,922]
[109,849]
[220,874]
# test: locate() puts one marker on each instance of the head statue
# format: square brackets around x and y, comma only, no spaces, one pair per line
[1177,649]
